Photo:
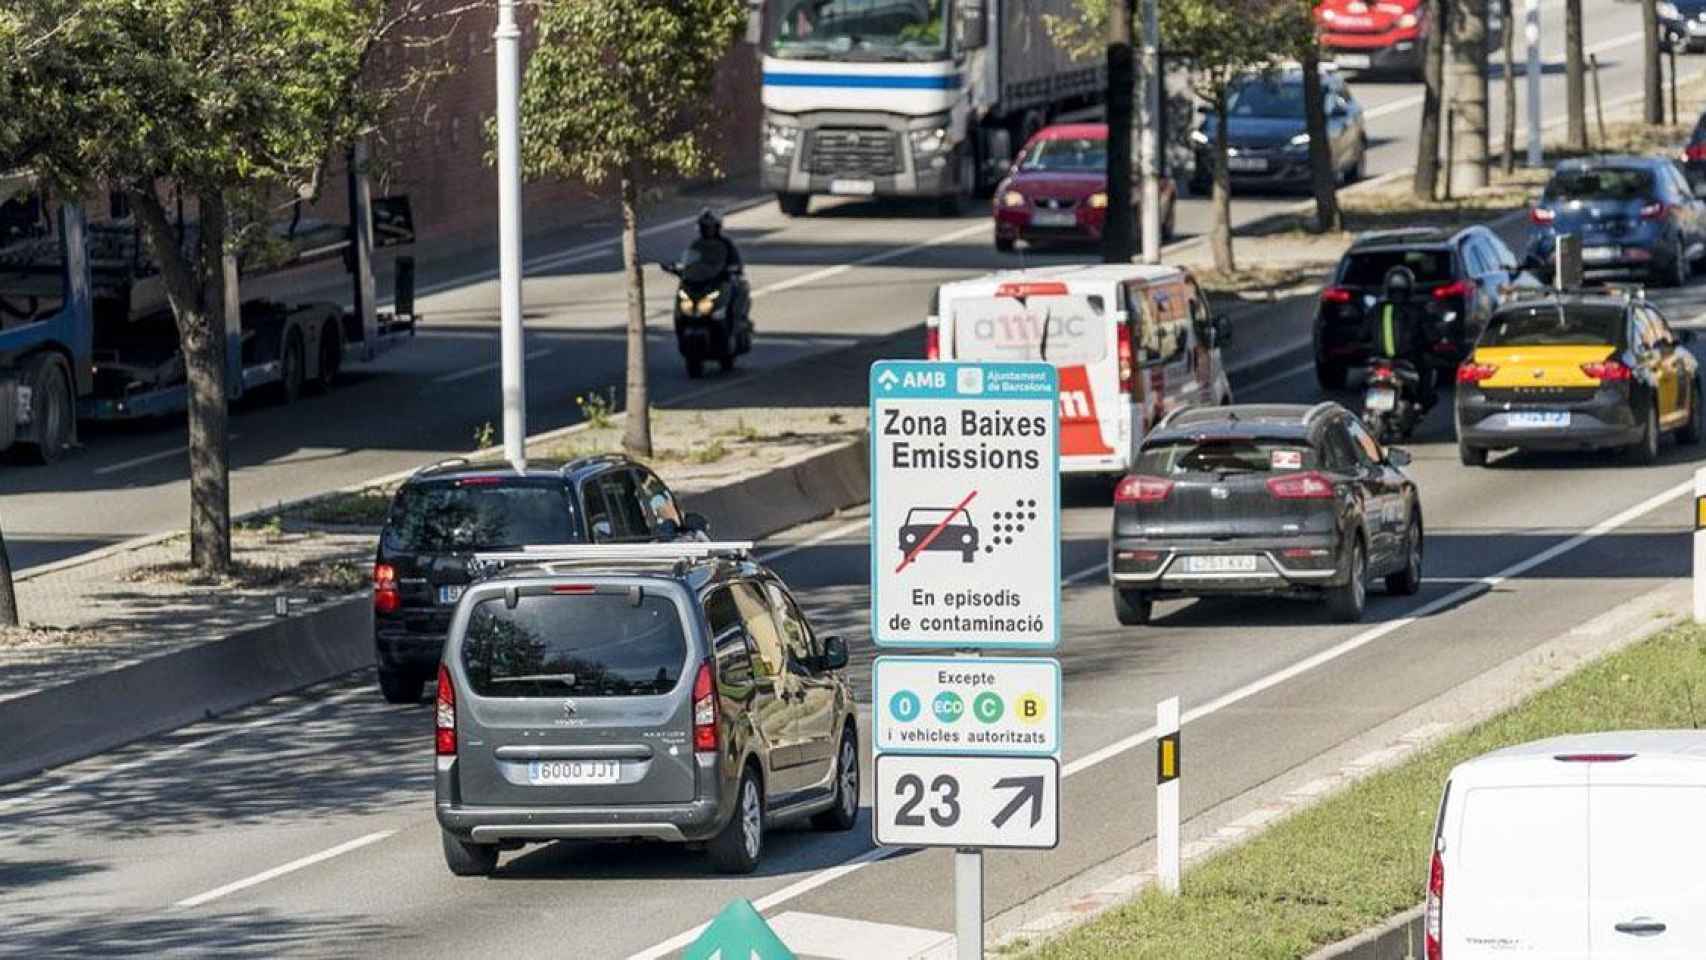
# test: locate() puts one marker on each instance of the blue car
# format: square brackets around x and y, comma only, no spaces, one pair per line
[1635,215]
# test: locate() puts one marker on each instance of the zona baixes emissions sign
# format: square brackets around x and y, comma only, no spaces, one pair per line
[965,505]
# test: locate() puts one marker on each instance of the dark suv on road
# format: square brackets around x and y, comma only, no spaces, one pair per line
[674,694]
[1264,499]
[448,511]
[1461,278]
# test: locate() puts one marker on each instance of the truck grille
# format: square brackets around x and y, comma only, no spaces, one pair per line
[840,151]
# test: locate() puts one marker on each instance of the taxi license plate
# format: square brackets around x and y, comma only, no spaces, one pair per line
[573,773]
[853,188]
[1599,254]
[1053,218]
[450,593]
[1220,564]
[1381,400]
[1353,61]
[1247,164]
[1543,418]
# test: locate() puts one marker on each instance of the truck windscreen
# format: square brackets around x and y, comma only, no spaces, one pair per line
[859,29]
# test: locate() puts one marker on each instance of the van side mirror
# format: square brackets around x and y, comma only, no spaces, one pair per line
[834,653]
[1222,325]
[974,24]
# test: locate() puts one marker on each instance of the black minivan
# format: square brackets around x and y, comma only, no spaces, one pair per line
[447,512]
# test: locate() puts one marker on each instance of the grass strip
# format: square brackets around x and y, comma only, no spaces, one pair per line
[1359,857]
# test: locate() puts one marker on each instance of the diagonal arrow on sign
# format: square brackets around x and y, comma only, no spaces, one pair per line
[1030,791]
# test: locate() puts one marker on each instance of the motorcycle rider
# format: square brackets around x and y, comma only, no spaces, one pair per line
[711,236]
[1399,333]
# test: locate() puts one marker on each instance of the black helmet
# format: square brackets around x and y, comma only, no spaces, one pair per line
[1399,282]
[710,224]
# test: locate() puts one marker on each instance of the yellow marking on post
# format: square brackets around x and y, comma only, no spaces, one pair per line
[1167,758]
[1700,513]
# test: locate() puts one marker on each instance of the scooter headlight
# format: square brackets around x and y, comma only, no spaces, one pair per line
[708,303]
[683,302]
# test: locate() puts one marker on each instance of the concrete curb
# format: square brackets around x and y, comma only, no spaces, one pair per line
[1399,938]
[809,488]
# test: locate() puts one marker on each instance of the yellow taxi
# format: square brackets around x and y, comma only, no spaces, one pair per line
[1578,370]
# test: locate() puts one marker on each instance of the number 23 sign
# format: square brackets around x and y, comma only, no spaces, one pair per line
[959,801]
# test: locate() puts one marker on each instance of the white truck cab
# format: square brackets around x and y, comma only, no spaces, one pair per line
[1573,847]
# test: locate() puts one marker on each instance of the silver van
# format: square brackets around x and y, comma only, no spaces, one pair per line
[670,692]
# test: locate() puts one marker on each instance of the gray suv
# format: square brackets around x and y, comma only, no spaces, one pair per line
[670,692]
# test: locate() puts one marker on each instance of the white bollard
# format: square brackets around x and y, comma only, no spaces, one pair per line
[1700,545]
[1167,795]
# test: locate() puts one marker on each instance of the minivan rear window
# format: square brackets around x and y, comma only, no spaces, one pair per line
[460,516]
[1225,455]
[601,644]
[1369,269]
[1543,325]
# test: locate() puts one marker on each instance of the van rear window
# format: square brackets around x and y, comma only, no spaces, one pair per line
[1065,330]
[575,645]
[1224,455]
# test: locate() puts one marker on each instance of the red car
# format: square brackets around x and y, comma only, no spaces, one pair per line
[1058,189]
[1388,36]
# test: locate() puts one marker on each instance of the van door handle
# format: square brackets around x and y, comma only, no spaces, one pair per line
[1641,927]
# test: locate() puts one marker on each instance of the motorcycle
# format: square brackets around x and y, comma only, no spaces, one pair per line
[711,308]
[1391,400]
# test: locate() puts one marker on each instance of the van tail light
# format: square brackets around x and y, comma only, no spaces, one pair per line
[1433,935]
[1141,489]
[1308,485]
[1608,371]
[386,599]
[1128,364]
[1336,295]
[1458,288]
[1655,210]
[932,341]
[1475,372]
[705,710]
[445,710]
[1542,216]
[1696,151]
[1593,757]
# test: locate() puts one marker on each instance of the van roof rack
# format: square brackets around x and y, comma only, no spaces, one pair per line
[579,553]
[590,459]
[446,462]
[1624,291]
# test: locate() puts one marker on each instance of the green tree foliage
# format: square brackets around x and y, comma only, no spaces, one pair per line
[226,105]
[618,90]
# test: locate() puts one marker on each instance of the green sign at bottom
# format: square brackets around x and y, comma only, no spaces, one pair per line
[738,933]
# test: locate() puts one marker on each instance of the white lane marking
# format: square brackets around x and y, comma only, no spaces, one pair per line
[1084,574]
[483,368]
[1280,377]
[150,458]
[840,938]
[831,874]
[155,756]
[865,261]
[817,541]
[282,869]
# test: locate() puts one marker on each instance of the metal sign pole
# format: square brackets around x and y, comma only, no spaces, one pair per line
[1149,152]
[1531,31]
[1167,795]
[507,39]
[968,903]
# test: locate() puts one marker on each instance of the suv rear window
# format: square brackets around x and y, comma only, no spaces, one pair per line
[1551,325]
[590,645]
[1369,269]
[451,516]
[1599,183]
[1224,455]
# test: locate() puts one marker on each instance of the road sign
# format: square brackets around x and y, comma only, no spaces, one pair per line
[928,800]
[1007,706]
[738,933]
[965,504]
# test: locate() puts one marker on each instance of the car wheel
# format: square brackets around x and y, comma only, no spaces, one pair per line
[400,686]
[51,411]
[1133,608]
[331,358]
[737,847]
[1695,428]
[695,368]
[1646,450]
[1407,581]
[1004,244]
[726,363]
[794,204]
[466,859]
[291,375]
[956,204]
[1471,456]
[845,813]
[1331,376]
[1345,603]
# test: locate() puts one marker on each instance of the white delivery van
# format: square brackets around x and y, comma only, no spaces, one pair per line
[1575,847]
[1132,342]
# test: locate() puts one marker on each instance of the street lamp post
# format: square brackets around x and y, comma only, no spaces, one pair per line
[1531,32]
[507,40]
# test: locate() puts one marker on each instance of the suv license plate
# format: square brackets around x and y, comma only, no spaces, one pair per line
[1544,418]
[1353,61]
[1247,164]
[450,593]
[1381,400]
[1220,564]
[573,773]
[1599,254]
[853,188]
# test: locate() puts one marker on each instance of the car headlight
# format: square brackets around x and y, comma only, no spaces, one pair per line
[1199,138]
[929,142]
[708,302]
[1668,11]
[780,142]
[1329,16]
[1098,201]
[1301,140]
[1407,21]
[1012,198]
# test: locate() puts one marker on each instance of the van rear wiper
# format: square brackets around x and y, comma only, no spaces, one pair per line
[567,679]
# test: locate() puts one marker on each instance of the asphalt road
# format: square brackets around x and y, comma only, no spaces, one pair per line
[852,271]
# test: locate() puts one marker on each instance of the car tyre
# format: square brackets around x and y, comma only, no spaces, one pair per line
[1645,452]
[52,410]
[291,375]
[695,368]
[1133,608]
[1331,376]
[1345,603]
[1695,428]
[468,859]
[794,204]
[1471,456]
[845,813]
[1408,581]
[331,358]
[400,686]
[737,847]
[727,363]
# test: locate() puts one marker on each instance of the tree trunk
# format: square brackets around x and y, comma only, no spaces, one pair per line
[1322,174]
[195,287]
[1220,227]
[1433,86]
[1652,84]
[637,435]
[8,598]
[1510,86]
[1575,77]
[1468,85]
[1118,227]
